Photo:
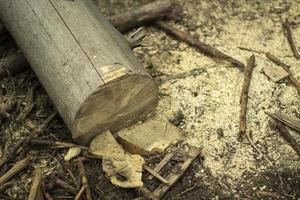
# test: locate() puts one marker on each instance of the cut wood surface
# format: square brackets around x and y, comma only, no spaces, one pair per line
[85,65]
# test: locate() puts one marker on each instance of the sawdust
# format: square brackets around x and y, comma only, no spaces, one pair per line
[210,101]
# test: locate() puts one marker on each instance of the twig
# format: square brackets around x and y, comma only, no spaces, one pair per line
[155,174]
[64,185]
[287,136]
[18,167]
[291,122]
[203,47]
[162,163]
[286,67]
[244,102]
[5,186]
[146,193]
[58,144]
[25,112]
[287,28]
[59,159]
[143,15]
[244,94]
[84,179]
[79,194]
[36,188]
[25,141]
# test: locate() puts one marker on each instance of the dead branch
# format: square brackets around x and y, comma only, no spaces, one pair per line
[84,179]
[287,29]
[286,67]
[36,187]
[244,94]
[201,46]
[141,16]
[17,168]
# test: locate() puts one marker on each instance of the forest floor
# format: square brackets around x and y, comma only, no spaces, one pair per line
[208,103]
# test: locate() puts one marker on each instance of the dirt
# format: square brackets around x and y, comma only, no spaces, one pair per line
[205,106]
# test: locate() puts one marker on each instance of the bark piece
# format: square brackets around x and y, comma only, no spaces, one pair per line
[85,65]
[150,137]
[36,187]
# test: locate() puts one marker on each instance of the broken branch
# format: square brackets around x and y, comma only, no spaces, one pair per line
[203,47]
[287,29]
[292,123]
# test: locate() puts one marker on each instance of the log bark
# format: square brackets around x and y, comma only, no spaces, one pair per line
[85,65]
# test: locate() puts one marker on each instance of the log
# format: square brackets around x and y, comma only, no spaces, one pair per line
[85,65]
[141,16]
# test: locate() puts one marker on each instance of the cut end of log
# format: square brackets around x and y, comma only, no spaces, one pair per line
[115,105]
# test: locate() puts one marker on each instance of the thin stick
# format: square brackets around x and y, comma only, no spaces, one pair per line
[244,94]
[287,29]
[36,190]
[65,168]
[38,141]
[162,163]
[64,185]
[289,121]
[84,179]
[155,174]
[25,141]
[5,186]
[287,136]
[79,194]
[286,67]
[203,47]
[17,168]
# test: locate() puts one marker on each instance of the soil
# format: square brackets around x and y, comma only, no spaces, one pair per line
[205,106]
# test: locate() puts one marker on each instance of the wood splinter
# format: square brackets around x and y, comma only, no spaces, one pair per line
[287,29]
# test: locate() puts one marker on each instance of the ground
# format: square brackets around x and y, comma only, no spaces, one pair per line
[209,102]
